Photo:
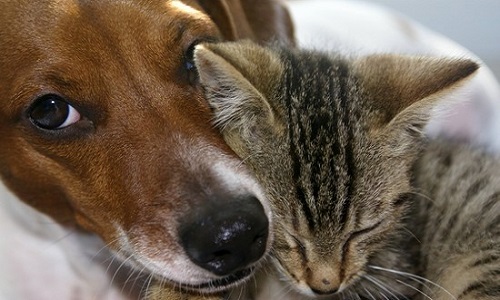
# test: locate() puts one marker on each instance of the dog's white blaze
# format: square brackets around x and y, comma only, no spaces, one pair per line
[184,8]
[232,174]
[68,7]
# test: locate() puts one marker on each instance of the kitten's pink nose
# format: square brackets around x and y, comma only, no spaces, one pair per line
[324,280]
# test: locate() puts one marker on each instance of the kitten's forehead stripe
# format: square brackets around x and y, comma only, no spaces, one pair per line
[321,137]
[491,202]
[294,145]
[349,148]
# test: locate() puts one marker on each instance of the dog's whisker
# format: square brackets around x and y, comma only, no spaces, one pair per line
[141,276]
[149,281]
[105,247]
[117,271]
[131,272]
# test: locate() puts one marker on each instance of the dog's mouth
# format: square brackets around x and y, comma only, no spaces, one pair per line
[221,284]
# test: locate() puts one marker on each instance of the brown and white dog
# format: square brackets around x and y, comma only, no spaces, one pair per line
[106,143]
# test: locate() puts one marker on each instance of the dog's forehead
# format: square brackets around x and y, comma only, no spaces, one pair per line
[53,21]
[78,42]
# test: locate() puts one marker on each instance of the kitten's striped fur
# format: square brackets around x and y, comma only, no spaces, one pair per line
[460,216]
[335,142]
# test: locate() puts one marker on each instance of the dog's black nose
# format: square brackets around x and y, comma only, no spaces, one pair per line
[226,236]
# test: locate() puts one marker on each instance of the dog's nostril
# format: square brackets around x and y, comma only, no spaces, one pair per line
[221,253]
[226,236]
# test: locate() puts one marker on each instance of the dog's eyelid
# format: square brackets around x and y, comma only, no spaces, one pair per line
[189,51]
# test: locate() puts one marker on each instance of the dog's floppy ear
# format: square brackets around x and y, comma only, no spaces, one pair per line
[259,20]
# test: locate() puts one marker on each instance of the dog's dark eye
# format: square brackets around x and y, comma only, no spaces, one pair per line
[189,64]
[53,112]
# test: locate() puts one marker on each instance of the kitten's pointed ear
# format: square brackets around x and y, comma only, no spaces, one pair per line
[409,89]
[238,78]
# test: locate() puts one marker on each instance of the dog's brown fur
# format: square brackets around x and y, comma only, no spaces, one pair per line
[142,154]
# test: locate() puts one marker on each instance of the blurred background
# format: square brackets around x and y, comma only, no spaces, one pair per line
[474,24]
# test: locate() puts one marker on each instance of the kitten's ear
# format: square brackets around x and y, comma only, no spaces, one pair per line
[238,79]
[411,89]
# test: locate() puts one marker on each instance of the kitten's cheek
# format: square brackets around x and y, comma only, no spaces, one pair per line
[289,267]
[355,261]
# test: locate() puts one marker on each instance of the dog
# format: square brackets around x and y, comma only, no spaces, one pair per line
[111,172]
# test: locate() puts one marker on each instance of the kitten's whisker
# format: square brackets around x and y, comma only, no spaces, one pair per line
[351,295]
[370,294]
[415,277]
[412,234]
[381,285]
[424,196]
[286,289]
[414,288]
[253,155]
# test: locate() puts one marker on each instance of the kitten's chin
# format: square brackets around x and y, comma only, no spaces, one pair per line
[304,290]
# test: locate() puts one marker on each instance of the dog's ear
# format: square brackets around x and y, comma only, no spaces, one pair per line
[259,20]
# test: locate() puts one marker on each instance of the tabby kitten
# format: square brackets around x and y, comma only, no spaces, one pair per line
[337,143]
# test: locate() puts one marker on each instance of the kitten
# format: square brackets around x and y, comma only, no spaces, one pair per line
[338,145]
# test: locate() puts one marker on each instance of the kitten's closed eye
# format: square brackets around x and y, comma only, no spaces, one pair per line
[292,241]
[359,233]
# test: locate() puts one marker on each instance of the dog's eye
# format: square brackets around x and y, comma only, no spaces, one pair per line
[53,112]
[189,64]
